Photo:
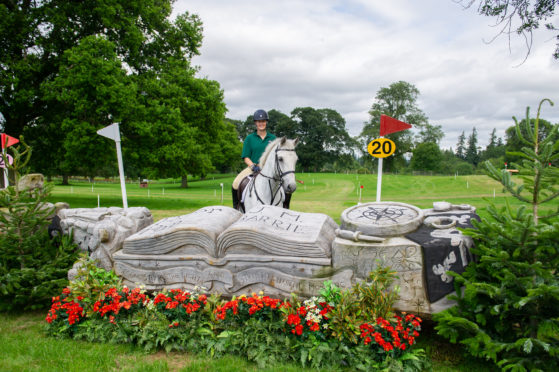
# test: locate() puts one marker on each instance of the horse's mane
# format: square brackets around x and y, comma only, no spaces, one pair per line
[267,152]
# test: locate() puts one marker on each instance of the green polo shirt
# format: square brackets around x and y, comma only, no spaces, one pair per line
[254,146]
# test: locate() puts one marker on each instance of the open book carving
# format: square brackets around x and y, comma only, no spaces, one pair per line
[268,248]
[219,231]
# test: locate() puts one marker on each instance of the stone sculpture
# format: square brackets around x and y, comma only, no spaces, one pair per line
[101,231]
[269,248]
[281,251]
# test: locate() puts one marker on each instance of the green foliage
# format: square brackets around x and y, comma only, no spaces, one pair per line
[426,157]
[399,101]
[508,301]
[262,329]
[91,282]
[322,133]
[365,302]
[33,267]
[375,295]
[519,17]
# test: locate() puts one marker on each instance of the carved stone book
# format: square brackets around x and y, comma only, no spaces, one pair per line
[220,231]
[269,248]
[194,233]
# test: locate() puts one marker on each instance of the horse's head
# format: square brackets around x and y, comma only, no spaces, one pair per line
[279,159]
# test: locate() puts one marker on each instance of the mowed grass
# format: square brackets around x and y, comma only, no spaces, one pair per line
[326,193]
[25,347]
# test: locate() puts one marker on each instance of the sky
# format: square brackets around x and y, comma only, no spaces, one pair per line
[337,54]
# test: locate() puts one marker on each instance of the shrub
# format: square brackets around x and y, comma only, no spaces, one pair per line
[33,267]
[508,308]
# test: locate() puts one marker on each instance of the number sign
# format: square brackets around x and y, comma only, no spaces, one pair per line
[381,147]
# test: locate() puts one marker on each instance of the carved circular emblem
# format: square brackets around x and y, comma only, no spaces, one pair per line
[382,219]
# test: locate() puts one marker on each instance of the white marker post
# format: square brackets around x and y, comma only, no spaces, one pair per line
[379,178]
[113,132]
[221,184]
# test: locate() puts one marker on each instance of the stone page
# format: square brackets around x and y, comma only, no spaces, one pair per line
[275,231]
[199,229]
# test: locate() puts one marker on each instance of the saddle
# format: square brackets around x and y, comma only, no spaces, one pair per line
[241,190]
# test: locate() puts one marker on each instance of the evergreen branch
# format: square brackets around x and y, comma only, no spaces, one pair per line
[519,132]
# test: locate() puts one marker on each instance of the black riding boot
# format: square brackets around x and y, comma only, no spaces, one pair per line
[287,200]
[235,198]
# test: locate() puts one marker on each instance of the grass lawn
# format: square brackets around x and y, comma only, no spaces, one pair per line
[324,193]
[24,347]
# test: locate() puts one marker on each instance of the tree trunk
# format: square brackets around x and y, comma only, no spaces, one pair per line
[65,179]
[184,182]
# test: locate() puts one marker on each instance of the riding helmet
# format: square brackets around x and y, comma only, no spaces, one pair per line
[260,115]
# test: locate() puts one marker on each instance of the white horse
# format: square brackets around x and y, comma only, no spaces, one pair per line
[277,176]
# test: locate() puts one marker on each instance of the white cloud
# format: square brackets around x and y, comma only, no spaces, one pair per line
[338,54]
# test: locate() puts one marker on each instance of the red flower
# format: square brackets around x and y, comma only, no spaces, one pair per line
[293,319]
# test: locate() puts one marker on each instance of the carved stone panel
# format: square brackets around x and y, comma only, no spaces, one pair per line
[382,218]
[399,253]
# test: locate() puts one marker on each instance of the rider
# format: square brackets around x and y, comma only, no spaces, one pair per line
[253,147]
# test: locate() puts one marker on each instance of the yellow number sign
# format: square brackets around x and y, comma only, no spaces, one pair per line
[381,147]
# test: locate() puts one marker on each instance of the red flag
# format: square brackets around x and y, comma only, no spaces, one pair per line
[11,140]
[390,125]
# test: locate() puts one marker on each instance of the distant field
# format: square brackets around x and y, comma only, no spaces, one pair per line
[326,193]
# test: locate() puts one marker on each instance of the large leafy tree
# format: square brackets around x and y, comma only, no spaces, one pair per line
[91,90]
[522,17]
[322,133]
[74,67]
[426,157]
[322,136]
[399,101]
[35,34]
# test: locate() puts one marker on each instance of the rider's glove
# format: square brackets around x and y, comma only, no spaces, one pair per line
[255,168]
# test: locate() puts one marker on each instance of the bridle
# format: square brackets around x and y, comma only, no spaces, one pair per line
[280,181]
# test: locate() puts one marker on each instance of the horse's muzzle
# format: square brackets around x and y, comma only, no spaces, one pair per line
[290,188]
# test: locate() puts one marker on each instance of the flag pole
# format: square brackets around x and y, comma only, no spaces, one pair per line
[379,177]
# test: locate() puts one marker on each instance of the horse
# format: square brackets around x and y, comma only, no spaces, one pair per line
[276,178]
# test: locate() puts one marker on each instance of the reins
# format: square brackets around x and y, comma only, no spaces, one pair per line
[279,180]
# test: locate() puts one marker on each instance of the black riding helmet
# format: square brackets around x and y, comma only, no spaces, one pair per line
[260,115]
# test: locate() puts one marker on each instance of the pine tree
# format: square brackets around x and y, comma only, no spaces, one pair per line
[472,155]
[508,301]
[460,149]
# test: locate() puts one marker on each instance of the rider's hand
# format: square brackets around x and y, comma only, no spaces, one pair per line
[255,168]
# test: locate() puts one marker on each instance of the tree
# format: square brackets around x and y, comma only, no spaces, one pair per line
[519,16]
[35,35]
[322,136]
[495,149]
[92,91]
[472,155]
[399,101]
[460,146]
[515,144]
[508,299]
[430,133]
[426,157]
[49,88]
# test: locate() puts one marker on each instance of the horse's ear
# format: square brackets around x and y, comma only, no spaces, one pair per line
[282,141]
[295,141]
